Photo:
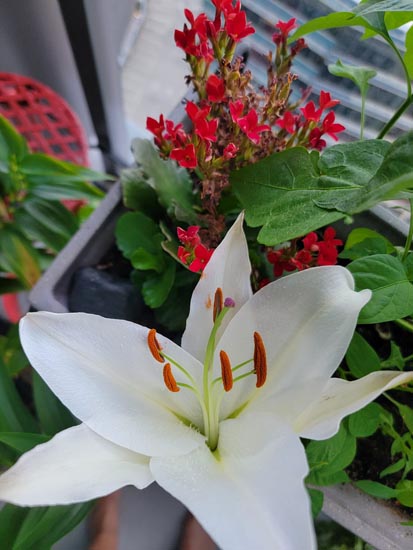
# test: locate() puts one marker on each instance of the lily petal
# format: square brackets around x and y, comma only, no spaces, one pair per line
[75,466]
[229,269]
[103,372]
[341,398]
[250,493]
[306,321]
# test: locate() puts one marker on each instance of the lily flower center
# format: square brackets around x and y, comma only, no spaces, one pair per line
[211,394]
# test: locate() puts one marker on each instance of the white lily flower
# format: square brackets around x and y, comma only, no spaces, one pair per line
[216,422]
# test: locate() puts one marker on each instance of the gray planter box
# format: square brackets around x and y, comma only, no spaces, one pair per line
[374,521]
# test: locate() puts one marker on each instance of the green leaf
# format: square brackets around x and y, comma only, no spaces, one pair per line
[406,413]
[172,183]
[11,143]
[156,288]
[408,266]
[138,194]
[405,492]
[47,221]
[372,6]
[366,421]
[135,231]
[361,358]
[317,499]
[359,75]
[22,442]
[408,56]
[11,351]
[14,416]
[331,21]
[376,489]
[38,528]
[328,458]
[142,259]
[18,256]
[395,358]
[393,468]
[365,242]
[53,415]
[294,192]
[10,285]
[392,292]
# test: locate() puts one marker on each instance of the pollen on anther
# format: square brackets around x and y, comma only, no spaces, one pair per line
[226,371]
[260,360]
[154,346]
[218,303]
[169,378]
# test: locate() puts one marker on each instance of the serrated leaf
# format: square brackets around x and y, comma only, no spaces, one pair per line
[376,489]
[172,183]
[392,296]
[361,358]
[138,194]
[366,421]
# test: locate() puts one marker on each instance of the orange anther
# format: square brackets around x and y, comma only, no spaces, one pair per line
[226,371]
[169,378]
[154,346]
[218,303]
[260,360]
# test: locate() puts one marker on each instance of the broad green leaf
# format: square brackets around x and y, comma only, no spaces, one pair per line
[361,358]
[392,292]
[19,257]
[408,56]
[22,442]
[48,222]
[405,492]
[406,413]
[360,234]
[172,183]
[395,358]
[395,19]
[331,21]
[317,499]
[39,164]
[156,288]
[328,458]
[408,266]
[53,415]
[11,519]
[12,144]
[138,194]
[142,259]
[294,192]
[14,415]
[174,312]
[135,231]
[366,421]
[372,6]
[376,489]
[359,75]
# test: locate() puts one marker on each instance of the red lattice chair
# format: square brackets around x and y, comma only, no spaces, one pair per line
[49,126]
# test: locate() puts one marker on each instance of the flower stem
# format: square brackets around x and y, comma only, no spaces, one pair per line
[410,234]
[404,324]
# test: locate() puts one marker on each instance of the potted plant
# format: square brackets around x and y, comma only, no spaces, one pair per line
[256,152]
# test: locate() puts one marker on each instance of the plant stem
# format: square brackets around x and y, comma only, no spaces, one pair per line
[404,324]
[410,234]
[363,115]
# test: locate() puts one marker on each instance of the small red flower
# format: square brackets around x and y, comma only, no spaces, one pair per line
[185,156]
[310,112]
[315,139]
[288,122]
[326,102]
[230,151]
[156,127]
[330,127]
[193,253]
[236,23]
[215,89]
[328,248]
[198,24]
[283,30]
[249,125]
[205,129]
[236,109]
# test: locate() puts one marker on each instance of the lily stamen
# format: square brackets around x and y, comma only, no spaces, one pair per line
[169,378]
[218,303]
[226,371]
[260,360]
[154,346]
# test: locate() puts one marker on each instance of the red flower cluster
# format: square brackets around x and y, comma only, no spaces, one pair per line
[313,253]
[283,30]
[310,120]
[248,123]
[193,253]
